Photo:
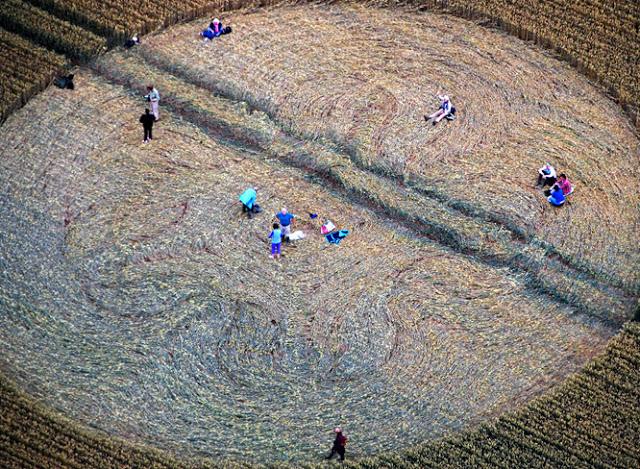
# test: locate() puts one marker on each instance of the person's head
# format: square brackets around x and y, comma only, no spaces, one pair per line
[216,21]
[276,226]
[562,176]
[445,98]
[149,87]
[337,430]
[146,111]
[283,211]
[70,77]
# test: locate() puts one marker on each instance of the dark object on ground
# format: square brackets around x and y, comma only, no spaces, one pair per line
[64,82]
[129,43]
[250,211]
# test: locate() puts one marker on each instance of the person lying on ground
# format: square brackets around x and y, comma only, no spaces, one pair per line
[276,241]
[556,197]
[248,199]
[546,175]
[66,83]
[147,120]
[154,98]
[285,221]
[446,109]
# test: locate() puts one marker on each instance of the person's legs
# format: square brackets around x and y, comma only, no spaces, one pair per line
[341,453]
[154,109]
[441,116]
[286,232]
[539,180]
[435,114]
[332,453]
[150,133]
[146,134]
[278,249]
[273,250]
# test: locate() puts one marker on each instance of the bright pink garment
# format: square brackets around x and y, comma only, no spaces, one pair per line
[565,185]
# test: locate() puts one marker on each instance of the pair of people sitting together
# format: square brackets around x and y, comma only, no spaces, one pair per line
[560,185]
[215,29]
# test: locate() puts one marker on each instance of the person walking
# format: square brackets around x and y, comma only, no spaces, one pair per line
[339,444]
[276,241]
[154,98]
[147,121]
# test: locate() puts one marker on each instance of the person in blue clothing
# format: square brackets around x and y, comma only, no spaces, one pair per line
[285,219]
[557,197]
[276,241]
[248,200]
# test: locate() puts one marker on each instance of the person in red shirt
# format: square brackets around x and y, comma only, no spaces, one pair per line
[339,444]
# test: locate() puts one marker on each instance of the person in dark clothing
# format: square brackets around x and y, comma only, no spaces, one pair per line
[66,83]
[339,444]
[147,121]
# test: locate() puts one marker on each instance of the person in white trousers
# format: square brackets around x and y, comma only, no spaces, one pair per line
[154,98]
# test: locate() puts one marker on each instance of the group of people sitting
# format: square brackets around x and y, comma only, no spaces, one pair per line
[560,186]
[215,29]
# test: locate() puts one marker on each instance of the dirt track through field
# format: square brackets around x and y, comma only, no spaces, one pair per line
[137,299]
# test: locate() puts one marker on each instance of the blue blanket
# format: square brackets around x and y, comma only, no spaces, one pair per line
[336,236]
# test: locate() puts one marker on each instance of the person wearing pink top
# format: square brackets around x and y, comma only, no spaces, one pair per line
[564,184]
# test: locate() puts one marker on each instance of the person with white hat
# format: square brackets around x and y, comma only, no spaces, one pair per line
[446,109]
[339,444]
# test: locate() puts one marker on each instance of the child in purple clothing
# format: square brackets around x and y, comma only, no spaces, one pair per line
[276,241]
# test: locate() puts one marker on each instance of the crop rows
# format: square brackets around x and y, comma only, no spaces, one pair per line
[577,425]
[31,70]
[56,34]
[601,38]
[118,19]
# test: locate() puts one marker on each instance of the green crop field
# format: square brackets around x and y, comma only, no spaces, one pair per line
[463,321]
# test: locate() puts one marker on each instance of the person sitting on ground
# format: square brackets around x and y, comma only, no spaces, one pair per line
[564,184]
[546,175]
[276,241]
[66,83]
[446,110]
[248,199]
[214,30]
[285,221]
[556,197]
[129,43]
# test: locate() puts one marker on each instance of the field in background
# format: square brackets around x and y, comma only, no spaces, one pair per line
[441,260]
[591,420]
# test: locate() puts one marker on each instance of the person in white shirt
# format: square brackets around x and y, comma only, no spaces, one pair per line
[446,109]
[546,176]
[154,98]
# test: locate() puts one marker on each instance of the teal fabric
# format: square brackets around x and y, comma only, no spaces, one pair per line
[248,197]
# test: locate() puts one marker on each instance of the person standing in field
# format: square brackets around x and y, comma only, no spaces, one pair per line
[154,98]
[285,219]
[339,444]
[147,120]
[276,241]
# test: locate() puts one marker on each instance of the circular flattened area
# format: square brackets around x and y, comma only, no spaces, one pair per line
[137,298]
